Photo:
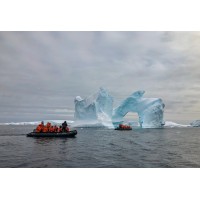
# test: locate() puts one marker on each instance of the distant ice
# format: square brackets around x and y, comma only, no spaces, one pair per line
[54,122]
[95,123]
[173,124]
[195,123]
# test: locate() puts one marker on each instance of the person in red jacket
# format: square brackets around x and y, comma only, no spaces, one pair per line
[45,129]
[40,127]
[51,129]
[48,126]
[55,129]
[59,129]
[67,129]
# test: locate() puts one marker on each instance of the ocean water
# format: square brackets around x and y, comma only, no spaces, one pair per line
[101,148]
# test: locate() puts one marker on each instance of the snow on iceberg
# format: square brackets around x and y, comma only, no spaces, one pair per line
[149,110]
[98,108]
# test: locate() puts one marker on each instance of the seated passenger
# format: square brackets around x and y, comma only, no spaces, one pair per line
[40,127]
[48,126]
[51,129]
[67,129]
[45,129]
[55,129]
[59,129]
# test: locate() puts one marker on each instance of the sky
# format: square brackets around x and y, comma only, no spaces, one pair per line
[42,72]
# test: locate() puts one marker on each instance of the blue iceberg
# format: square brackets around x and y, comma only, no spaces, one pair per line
[97,110]
[149,110]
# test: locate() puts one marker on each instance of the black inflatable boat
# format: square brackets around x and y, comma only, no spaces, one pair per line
[48,134]
[123,129]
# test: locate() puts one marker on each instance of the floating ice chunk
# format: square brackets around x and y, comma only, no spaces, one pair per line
[195,123]
[173,124]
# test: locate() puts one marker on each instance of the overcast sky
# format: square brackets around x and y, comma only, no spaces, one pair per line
[42,72]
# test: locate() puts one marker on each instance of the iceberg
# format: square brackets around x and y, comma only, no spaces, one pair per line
[150,110]
[98,109]
[95,110]
[195,123]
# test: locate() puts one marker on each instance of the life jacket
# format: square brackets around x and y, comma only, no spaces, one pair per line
[67,129]
[48,125]
[51,129]
[39,128]
[59,130]
[45,129]
[55,128]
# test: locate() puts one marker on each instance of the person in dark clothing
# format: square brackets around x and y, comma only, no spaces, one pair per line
[64,126]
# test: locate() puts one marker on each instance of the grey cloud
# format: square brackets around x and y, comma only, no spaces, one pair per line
[46,70]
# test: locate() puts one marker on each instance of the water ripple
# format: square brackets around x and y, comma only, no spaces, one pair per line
[166,148]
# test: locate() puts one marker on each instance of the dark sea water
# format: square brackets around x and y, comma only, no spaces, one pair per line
[98,147]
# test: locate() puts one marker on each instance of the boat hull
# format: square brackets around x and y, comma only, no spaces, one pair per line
[48,134]
[120,129]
